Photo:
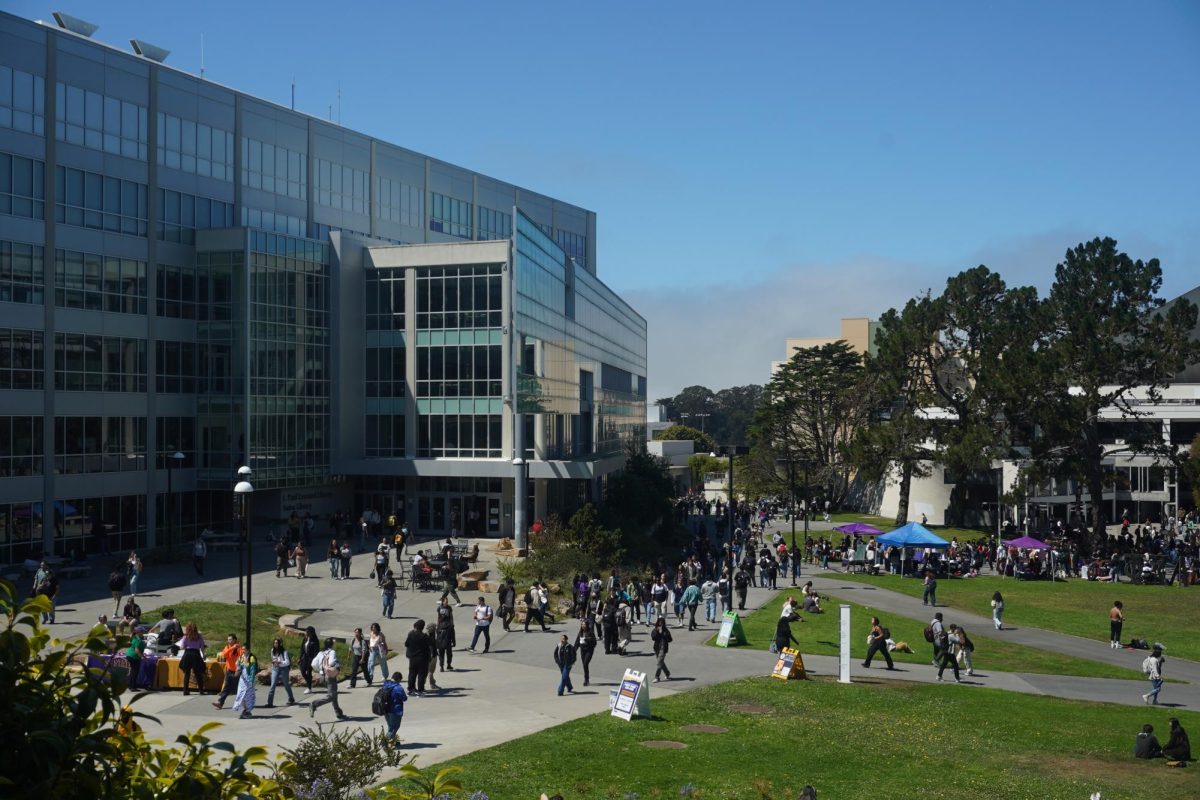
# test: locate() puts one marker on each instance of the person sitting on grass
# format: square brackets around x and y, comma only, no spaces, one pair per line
[1178,747]
[812,603]
[1146,744]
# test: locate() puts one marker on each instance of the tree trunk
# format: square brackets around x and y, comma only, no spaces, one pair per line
[906,471]
[1099,535]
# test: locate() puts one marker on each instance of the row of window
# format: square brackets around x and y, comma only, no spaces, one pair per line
[20,446]
[99,444]
[99,283]
[195,147]
[273,168]
[449,215]
[459,297]
[459,371]
[22,101]
[400,202]
[100,122]
[22,186]
[385,299]
[181,214]
[99,201]
[459,436]
[384,436]
[339,186]
[21,359]
[494,224]
[385,371]
[176,367]
[21,279]
[84,362]
[269,220]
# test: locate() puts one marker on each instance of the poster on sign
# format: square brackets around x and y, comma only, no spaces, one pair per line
[633,696]
[731,632]
[789,666]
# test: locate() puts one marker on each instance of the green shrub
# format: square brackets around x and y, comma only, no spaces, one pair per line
[329,764]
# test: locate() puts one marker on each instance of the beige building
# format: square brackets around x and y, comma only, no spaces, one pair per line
[858,332]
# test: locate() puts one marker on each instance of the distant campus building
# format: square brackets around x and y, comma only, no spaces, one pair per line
[186,268]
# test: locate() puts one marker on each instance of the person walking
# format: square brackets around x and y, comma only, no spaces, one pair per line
[725,591]
[388,593]
[661,637]
[229,655]
[741,582]
[335,559]
[449,585]
[659,592]
[301,555]
[281,673]
[998,610]
[507,600]
[1116,618]
[359,655]
[419,649]
[346,555]
[963,649]
[247,673]
[199,553]
[585,647]
[326,665]
[783,632]
[45,583]
[1153,668]
[691,599]
[936,633]
[133,568]
[877,643]
[708,593]
[948,643]
[116,584]
[564,657]
[929,595]
[444,639]
[282,558]
[309,648]
[533,608]
[395,712]
[483,624]
[191,663]
[378,648]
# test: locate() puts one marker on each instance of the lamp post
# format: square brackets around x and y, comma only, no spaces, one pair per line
[243,489]
[172,460]
[730,451]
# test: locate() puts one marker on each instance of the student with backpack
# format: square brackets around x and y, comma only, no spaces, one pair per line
[877,643]
[389,704]
[741,582]
[116,584]
[533,607]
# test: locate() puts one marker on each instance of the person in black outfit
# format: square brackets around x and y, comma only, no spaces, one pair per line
[783,632]
[308,651]
[564,657]
[281,564]
[1178,748]
[879,637]
[419,648]
[740,582]
[585,646]
[507,600]
[662,643]
[608,616]
[1146,744]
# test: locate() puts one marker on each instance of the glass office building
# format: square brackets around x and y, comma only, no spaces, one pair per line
[186,269]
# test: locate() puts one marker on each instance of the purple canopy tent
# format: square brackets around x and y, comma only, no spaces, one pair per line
[858,529]
[1027,543]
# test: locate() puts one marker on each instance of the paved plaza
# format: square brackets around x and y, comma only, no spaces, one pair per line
[510,692]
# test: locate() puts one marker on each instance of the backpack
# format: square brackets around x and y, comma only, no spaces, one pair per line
[929,632]
[381,703]
[887,634]
[116,581]
[529,597]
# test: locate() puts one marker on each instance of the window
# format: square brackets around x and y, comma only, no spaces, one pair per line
[385,299]
[21,359]
[449,215]
[183,292]
[384,436]
[459,297]
[180,215]
[175,434]
[22,101]
[20,446]
[22,186]
[398,202]
[85,362]
[194,147]
[574,245]
[458,436]
[494,224]
[339,186]
[101,202]
[270,221]
[175,367]
[458,371]
[99,444]
[100,122]
[274,169]
[99,283]
[21,279]
[385,371]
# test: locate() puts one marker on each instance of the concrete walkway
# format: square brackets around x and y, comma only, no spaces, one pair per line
[510,692]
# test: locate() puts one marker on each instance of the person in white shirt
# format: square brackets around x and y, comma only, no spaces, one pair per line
[326,665]
[483,624]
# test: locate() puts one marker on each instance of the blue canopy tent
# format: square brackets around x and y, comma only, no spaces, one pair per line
[914,534]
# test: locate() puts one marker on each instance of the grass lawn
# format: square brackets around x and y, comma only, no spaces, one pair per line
[818,635]
[215,621]
[863,740]
[1156,613]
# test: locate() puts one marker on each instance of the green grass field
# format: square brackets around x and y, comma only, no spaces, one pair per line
[863,740]
[1154,613]
[818,635]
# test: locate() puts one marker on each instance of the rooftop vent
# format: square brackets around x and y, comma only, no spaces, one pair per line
[74,24]
[150,51]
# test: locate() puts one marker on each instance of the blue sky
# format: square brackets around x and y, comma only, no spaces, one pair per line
[759,170]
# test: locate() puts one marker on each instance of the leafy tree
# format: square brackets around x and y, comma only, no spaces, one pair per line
[812,409]
[585,532]
[638,499]
[897,440]
[64,737]
[1109,343]
[725,415]
[1191,468]
[702,442]
[702,464]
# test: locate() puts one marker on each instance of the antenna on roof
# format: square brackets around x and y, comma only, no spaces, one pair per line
[75,24]
[202,56]
[339,103]
[293,93]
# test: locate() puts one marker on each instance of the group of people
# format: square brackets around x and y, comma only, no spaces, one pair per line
[1177,748]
